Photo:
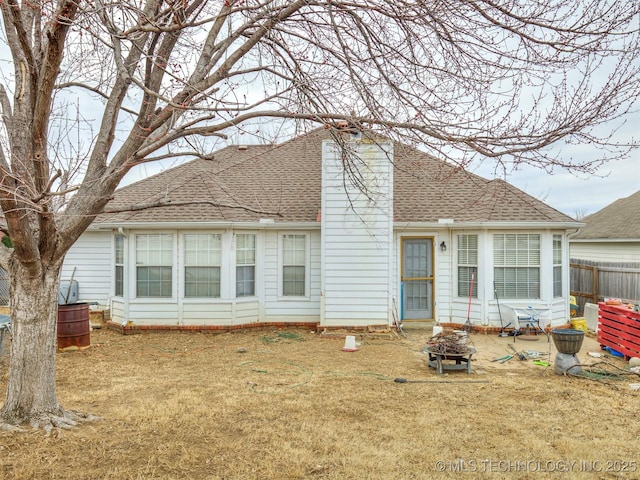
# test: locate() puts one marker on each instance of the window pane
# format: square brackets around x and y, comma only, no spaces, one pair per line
[517,283]
[417,258]
[557,265]
[119,265]
[294,250]
[154,249]
[245,281]
[153,281]
[557,249]
[464,282]
[294,259]
[557,281]
[418,294]
[119,249]
[245,249]
[517,265]
[467,265]
[154,260]
[293,281]
[202,282]
[203,249]
[119,280]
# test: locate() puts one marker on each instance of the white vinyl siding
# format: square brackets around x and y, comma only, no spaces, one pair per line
[90,262]
[245,265]
[202,262]
[557,265]
[467,265]
[516,259]
[357,232]
[154,265]
[605,251]
[278,308]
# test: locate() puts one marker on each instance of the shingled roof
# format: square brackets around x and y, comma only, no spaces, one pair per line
[617,221]
[283,182]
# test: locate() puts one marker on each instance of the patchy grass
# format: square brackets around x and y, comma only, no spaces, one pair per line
[234,406]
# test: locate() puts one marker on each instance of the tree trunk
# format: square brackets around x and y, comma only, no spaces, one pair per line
[31,389]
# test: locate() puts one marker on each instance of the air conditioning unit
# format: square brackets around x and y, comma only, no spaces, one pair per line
[591,316]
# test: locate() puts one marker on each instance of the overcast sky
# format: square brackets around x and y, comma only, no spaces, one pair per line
[580,195]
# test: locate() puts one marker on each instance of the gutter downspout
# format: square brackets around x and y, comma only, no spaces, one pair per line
[568,237]
[451,266]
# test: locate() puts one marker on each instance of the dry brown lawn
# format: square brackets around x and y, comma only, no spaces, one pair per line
[294,406]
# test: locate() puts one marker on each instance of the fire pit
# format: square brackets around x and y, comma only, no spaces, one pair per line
[461,358]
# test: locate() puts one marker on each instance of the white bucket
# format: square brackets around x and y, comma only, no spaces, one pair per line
[349,344]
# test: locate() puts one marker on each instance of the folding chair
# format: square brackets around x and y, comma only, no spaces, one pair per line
[529,319]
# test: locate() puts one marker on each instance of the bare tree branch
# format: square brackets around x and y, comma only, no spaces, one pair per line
[169,203]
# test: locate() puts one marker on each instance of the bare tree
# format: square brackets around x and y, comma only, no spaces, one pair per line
[461,78]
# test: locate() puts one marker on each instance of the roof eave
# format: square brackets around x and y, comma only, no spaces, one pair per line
[605,240]
[262,224]
[270,224]
[513,225]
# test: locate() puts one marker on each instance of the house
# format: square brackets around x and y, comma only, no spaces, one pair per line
[611,234]
[336,228]
[605,256]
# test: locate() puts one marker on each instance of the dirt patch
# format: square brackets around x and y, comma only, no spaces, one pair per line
[287,404]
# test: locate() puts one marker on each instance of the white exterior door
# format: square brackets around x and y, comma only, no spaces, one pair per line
[417,278]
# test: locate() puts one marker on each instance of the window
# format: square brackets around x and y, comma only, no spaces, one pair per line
[202,260]
[557,265]
[245,265]
[516,260]
[467,265]
[154,265]
[119,265]
[294,260]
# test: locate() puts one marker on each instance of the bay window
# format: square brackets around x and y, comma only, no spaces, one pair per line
[516,258]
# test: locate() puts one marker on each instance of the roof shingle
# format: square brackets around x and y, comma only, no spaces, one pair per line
[283,182]
[619,220]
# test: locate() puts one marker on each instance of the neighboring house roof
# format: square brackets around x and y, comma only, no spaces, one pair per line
[283,182]
[620,220]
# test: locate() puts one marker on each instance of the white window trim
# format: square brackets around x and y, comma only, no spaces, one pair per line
[561,265]
[456,265]
[307,269]
[540,266]
[134,264]
[123,264]
[233,260]
[225,291]
[183,265]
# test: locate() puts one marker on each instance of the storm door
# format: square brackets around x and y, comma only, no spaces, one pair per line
[417,278]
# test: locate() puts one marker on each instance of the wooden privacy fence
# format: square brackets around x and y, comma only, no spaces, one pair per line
[592,281]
